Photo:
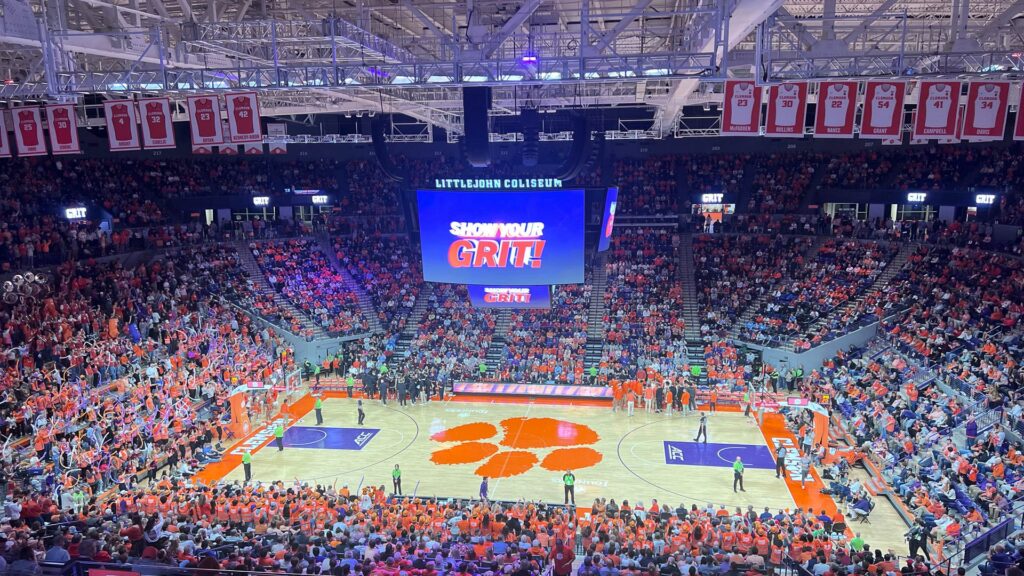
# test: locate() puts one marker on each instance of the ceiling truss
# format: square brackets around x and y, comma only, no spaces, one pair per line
[309,57]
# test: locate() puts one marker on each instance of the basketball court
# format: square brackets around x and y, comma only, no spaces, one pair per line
[445,448]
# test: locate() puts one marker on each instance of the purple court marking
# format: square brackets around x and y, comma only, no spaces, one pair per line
[719,455]
[328,438]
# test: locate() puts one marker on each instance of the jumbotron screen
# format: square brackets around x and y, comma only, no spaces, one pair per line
[502,238]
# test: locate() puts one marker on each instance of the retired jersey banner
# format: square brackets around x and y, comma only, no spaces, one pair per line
[205,121]
[985,117]
[227,148]
[883,110]
[28,131]
[787,107]
[938,108]
[122,125]
[1018,127]
[277,130]
[157,129]
[63,127]
[244,117]
[741,108]
[837,105]
[5,142]
[502,238]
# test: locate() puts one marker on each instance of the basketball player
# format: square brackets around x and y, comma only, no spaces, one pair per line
[359,411]
[400,386]
[384,384]
[414,387]
[426,386]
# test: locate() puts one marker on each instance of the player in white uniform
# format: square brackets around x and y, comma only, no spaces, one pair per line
[986,105]
[937,105]
[786,105]
[835,104]
[883,106]
[742,104]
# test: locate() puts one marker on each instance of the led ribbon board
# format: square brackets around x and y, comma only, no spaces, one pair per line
[510,296]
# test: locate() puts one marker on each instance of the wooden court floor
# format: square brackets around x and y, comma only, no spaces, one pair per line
[444,449]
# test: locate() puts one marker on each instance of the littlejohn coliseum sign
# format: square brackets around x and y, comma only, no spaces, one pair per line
[496,183]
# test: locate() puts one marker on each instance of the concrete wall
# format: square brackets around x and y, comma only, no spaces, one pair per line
[815,357]
[313,351]
[1003,234]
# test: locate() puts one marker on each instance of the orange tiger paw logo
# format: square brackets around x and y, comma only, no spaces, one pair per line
[522,438]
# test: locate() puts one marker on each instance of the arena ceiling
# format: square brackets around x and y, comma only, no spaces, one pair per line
[412,57]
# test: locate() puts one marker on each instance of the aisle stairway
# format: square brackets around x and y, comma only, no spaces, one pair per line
[248,262]
[756,305]
[891,270]
[425,301]
[686,273]
[596,311]
[496,349]
[746,188]
[365,302]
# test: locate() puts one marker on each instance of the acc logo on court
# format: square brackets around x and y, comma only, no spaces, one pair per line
[563,445]
[363,438]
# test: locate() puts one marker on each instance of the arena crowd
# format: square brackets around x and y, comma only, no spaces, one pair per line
[117,371]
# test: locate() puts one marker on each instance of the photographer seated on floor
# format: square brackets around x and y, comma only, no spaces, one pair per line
[860,509]
[208,455]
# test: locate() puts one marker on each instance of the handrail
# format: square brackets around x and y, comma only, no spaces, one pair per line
[980,545]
